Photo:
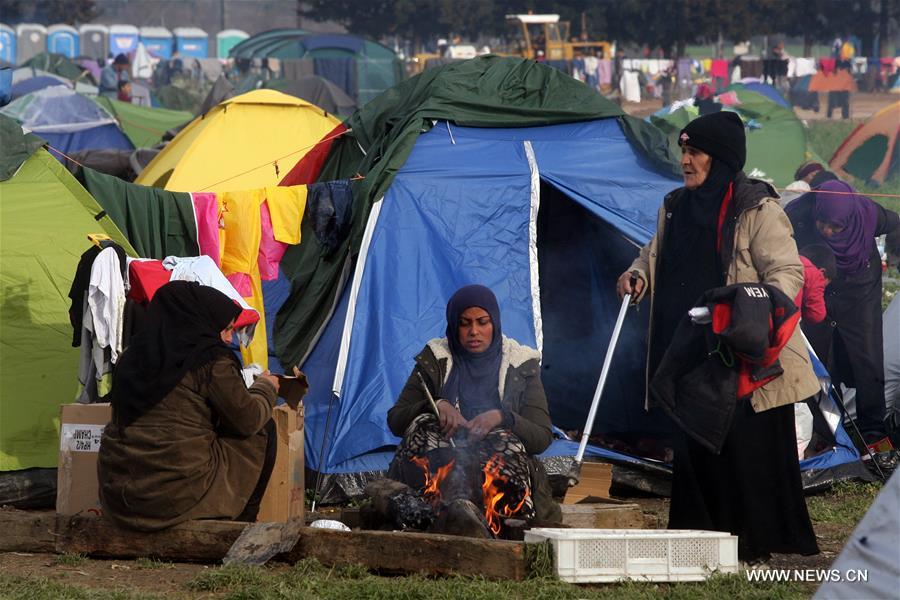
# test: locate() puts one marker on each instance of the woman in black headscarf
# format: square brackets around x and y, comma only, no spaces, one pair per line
[491,405]
[187,439]
[723,228]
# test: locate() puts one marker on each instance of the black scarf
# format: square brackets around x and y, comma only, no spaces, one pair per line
[689,262]
[182,333]
[474,378]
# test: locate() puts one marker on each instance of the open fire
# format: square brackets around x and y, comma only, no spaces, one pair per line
[494,495]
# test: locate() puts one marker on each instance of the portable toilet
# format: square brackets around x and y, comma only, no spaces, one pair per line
[94,41]
[228,39]
[191,42]
[31,40]
[7,44]
[123,39]
[158,41]
[62,39]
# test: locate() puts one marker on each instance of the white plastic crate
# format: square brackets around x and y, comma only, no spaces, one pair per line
[599,555]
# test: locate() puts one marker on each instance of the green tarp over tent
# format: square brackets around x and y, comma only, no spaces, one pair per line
[45,216]
[488,91]
[143,125]
[776,138]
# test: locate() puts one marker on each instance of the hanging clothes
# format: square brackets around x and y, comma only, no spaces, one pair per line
[106,299]
[604,71]
[158,223]
[207,213]
[281,216]
[330,205]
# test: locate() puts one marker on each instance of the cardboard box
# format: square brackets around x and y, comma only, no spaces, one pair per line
[81,426]
[285,494]
[593,484]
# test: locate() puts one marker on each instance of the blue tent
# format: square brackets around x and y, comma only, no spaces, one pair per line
[523,211]
[67,120]
[27,86]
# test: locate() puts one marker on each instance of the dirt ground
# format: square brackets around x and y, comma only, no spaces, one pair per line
[862,106]
[171,579]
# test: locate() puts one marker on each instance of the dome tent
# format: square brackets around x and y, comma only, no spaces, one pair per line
[234,145]
[871,151]
[67,120]
[45,217]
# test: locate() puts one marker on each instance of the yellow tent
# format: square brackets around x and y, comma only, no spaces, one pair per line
[247,142]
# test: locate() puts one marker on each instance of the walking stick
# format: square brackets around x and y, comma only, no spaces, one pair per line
[575,471]
[840,402]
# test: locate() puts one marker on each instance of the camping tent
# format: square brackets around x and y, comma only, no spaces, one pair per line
[33,84]
[776,138]
[143,125]
[316,90]
[239,144]
[45,217]
[871,151]
[362,68]
[67,120]
[487,194]
[763,89]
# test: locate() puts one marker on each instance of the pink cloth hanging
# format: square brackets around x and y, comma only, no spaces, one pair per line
[270,250]
[604,71]
[206,212]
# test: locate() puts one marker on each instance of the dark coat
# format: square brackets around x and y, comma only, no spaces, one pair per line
[197,454]
[521,396]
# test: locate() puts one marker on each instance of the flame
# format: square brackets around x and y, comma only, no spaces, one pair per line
[492,494]
[432,489]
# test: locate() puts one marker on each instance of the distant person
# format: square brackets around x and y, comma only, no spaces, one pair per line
[848,223]
[705,100]
[112,74]
[840,98]
[124,94]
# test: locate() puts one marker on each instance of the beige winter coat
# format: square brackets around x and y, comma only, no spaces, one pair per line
[763,251]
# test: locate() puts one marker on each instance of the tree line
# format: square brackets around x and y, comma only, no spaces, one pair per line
[667,24]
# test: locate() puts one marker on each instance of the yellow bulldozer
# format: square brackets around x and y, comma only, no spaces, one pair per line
[545,35]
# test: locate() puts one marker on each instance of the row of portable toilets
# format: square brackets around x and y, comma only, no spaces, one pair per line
[99,41]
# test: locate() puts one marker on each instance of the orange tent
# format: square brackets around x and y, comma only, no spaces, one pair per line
[871,151]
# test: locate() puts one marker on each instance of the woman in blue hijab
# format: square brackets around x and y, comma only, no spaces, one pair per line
[491,410]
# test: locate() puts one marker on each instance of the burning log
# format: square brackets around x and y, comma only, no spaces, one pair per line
[457,497]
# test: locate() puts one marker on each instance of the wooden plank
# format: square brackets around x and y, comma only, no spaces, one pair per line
[27,531]
[603,516]
[595,480]
[193,541]
[393,552]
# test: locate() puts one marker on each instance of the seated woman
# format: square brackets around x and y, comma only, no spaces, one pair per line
[489,395]
[187,439]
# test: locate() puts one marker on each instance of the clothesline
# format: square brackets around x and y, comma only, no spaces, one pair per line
[275,161]
[840,193]
[66,156]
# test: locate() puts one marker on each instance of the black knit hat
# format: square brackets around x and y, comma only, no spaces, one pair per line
[719,134]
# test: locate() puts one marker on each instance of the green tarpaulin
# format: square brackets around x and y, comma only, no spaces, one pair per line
[45,217]
[488,91]
[156,222]
[143,125]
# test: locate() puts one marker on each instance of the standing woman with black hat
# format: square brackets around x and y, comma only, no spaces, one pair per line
[723,228]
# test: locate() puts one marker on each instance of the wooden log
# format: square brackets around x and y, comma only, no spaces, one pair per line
[27,531]
[394,552]
[603,516]
[193,541]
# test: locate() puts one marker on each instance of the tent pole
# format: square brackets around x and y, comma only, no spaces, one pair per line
[322,454]
[604,373]
[840,402]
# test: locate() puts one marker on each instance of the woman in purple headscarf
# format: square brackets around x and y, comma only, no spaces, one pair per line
[491,408]
[849,223]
